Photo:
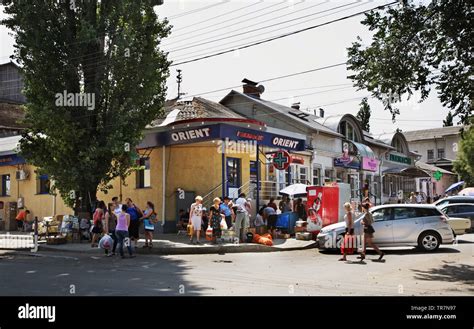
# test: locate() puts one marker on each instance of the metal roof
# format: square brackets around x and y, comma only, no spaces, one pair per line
[309,121]
[427,167]
[198,108]
[431,133]
[8,144]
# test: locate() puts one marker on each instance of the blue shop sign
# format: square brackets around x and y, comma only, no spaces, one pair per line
[11,160]
[234,133]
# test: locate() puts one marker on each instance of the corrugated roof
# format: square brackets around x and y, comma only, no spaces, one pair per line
[310,120]
[428,167]
[197,108]
[431,133]
[8,144]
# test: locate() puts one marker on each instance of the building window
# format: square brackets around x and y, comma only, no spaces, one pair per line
[317,176]
[328,175]
[303,178]
[430,154]
[143,174]
[43,184]
[398,145]
[440,153]
[5,187]
[348,130]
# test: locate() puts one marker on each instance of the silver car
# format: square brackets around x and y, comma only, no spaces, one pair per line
[396,225]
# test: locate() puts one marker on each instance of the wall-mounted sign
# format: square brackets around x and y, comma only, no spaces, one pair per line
[281,160]
[370,164]
[438,175]
[10,160]
[297,159]
[347,160]
[398,158]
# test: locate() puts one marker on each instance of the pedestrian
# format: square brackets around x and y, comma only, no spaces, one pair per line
[116,207]
[121,231]
[347,246]
[135,214]
[215,218]
[259,220]
[300,209]
[149,221]
[272,204]
[270,216]
[367,222]
[183,220]
[21,218]
[418,197]
[412,197]
[110,225]
[428,200]
[227,211]
[195,218]
[242,220]
[98,222]
[285,204]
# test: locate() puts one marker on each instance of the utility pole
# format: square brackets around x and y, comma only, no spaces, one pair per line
[179,79]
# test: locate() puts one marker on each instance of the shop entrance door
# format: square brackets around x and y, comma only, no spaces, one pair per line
[234,176]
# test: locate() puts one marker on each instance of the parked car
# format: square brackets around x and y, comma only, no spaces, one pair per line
[460,210]
[454,199]
[424,226]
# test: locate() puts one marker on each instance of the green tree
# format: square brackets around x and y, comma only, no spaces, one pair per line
[107,50]
[415,47]
[464,164]
[449,120]
[364,114]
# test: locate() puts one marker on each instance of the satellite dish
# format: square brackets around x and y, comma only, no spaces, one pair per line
[261,88]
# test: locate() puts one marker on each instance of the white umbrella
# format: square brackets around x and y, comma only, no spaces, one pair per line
[294,190]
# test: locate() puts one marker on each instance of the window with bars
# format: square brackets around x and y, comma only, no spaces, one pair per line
[440,153]
[144,173]
[317,176]
[5,185]
[430,154]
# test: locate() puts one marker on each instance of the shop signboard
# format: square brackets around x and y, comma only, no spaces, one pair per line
[234,133]
[398,158]
[370,164]
[281,160]
[347,160]
[10,160]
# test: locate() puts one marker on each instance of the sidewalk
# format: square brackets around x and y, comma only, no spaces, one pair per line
[172,244]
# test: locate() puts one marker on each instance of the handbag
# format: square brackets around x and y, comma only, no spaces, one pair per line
[148,225]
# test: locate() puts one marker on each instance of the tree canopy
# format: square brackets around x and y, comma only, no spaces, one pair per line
[105,50]
[464,164]
[448,121]
[416,47]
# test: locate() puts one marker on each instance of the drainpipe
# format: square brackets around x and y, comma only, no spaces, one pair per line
[381,158]
[163,201]
[223,182]
[258,176]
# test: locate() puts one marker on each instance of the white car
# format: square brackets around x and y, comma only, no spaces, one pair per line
[459,225]
[396,225]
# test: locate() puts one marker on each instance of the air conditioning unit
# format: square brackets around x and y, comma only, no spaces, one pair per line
[22,175]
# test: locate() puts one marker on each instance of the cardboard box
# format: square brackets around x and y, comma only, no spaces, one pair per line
[300,229]
[303,236]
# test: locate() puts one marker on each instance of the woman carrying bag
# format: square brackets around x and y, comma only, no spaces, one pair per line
[149,220]
[369,233]
[347,246]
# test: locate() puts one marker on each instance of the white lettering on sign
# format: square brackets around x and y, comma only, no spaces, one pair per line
[284,142]
[190,134]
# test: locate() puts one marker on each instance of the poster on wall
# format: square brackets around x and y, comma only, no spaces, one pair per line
[347,160]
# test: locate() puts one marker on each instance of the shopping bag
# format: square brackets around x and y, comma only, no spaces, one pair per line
[223,224]
[209,233]
[148,225]
[190,229]
[348,244]
[106,242]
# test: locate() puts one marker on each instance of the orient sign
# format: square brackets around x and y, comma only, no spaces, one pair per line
[281,160]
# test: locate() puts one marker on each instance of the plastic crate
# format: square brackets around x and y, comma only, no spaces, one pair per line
[287,221]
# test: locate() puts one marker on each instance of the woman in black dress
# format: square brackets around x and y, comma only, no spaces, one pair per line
[215,217]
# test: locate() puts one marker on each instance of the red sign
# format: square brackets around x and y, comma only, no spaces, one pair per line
[281,160]
[297,159]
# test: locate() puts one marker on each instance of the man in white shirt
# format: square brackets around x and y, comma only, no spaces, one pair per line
[242,218]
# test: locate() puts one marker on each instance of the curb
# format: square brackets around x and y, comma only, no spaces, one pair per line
[192,250]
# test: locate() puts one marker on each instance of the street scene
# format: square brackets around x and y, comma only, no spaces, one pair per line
[236,148]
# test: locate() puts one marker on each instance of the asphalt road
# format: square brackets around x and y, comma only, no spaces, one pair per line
[406,271]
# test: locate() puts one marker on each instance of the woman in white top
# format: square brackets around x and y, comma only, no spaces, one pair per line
[195,218]
[349,219]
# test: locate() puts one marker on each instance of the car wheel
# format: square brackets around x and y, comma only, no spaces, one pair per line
[429,241]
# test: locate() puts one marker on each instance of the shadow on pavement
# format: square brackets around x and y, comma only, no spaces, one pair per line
[461,273]
[51,274]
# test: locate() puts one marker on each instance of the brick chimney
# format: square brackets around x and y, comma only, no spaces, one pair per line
[252,89]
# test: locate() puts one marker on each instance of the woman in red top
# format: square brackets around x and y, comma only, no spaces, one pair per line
[100,215]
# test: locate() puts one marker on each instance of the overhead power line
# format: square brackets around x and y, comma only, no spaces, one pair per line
[283,35]
[199,9]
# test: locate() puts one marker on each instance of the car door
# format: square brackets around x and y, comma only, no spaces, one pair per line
[465,211]
[406,224]
[383,226]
